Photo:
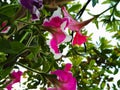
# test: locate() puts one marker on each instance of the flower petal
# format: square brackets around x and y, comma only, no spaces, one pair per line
[6,29]
[16,76]
[68,67]
[73,24]
[38,3]
[66,81]
[52,89]
[57,13]
[79,39]
[4,23]
[27,4]
[35,14]
[57,26]
[66,14]
[57,38]
[9,86]
[32,6]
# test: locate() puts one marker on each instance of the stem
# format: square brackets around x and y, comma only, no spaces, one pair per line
[106,10]
[79,14]
[30,39]
[28,23]
[24,37]
[30,69]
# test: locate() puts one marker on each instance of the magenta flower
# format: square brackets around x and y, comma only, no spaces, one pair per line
[76,26]
[32,6]
[65,79]
[15,78]
[5,28]
[57,26]
[79,39]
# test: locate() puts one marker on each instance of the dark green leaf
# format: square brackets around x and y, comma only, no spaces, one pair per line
[17,46]
[118,83]
[114,87]
[8,10]
[116,71]
[94,2]
[75,7]
[5,46]
[109,71]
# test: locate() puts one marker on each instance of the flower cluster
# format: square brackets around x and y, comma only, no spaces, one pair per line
[76,26]
[57,26]
[15,76]
[65,79]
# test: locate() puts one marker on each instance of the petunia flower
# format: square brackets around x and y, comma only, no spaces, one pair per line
[16,76]
[5,28]
[79,39]
[76,26]
[32,6]
[57,25]
[65,79]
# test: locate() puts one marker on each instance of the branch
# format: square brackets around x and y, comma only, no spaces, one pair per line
[79,14]
[96,16]
[30,69]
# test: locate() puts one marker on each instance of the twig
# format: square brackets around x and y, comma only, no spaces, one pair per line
[79,14]
[30,69]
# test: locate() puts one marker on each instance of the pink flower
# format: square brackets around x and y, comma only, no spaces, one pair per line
[79,39]
[65,79]
[76,26]
[15,78]
[5,27]
[57,26]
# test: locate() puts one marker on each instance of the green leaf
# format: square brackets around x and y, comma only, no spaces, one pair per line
[110,79]
[8,10]
[75,8]
[106,51]
[4,72]
[2,57]
[117,13]
[16,47]
[109,71]
[105,2]
[92,62]
[114,87]
[96,23]
[46,66]
[102,84]
[10,47]
[5,46]
[116,71]
[118,83]
[94,2]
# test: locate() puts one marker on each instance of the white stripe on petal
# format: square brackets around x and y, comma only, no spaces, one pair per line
[56,13]
[68,38]
[6,29]
[57,56]
[63,25]
[36,12]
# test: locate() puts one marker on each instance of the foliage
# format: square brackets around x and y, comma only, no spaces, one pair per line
[24,46]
